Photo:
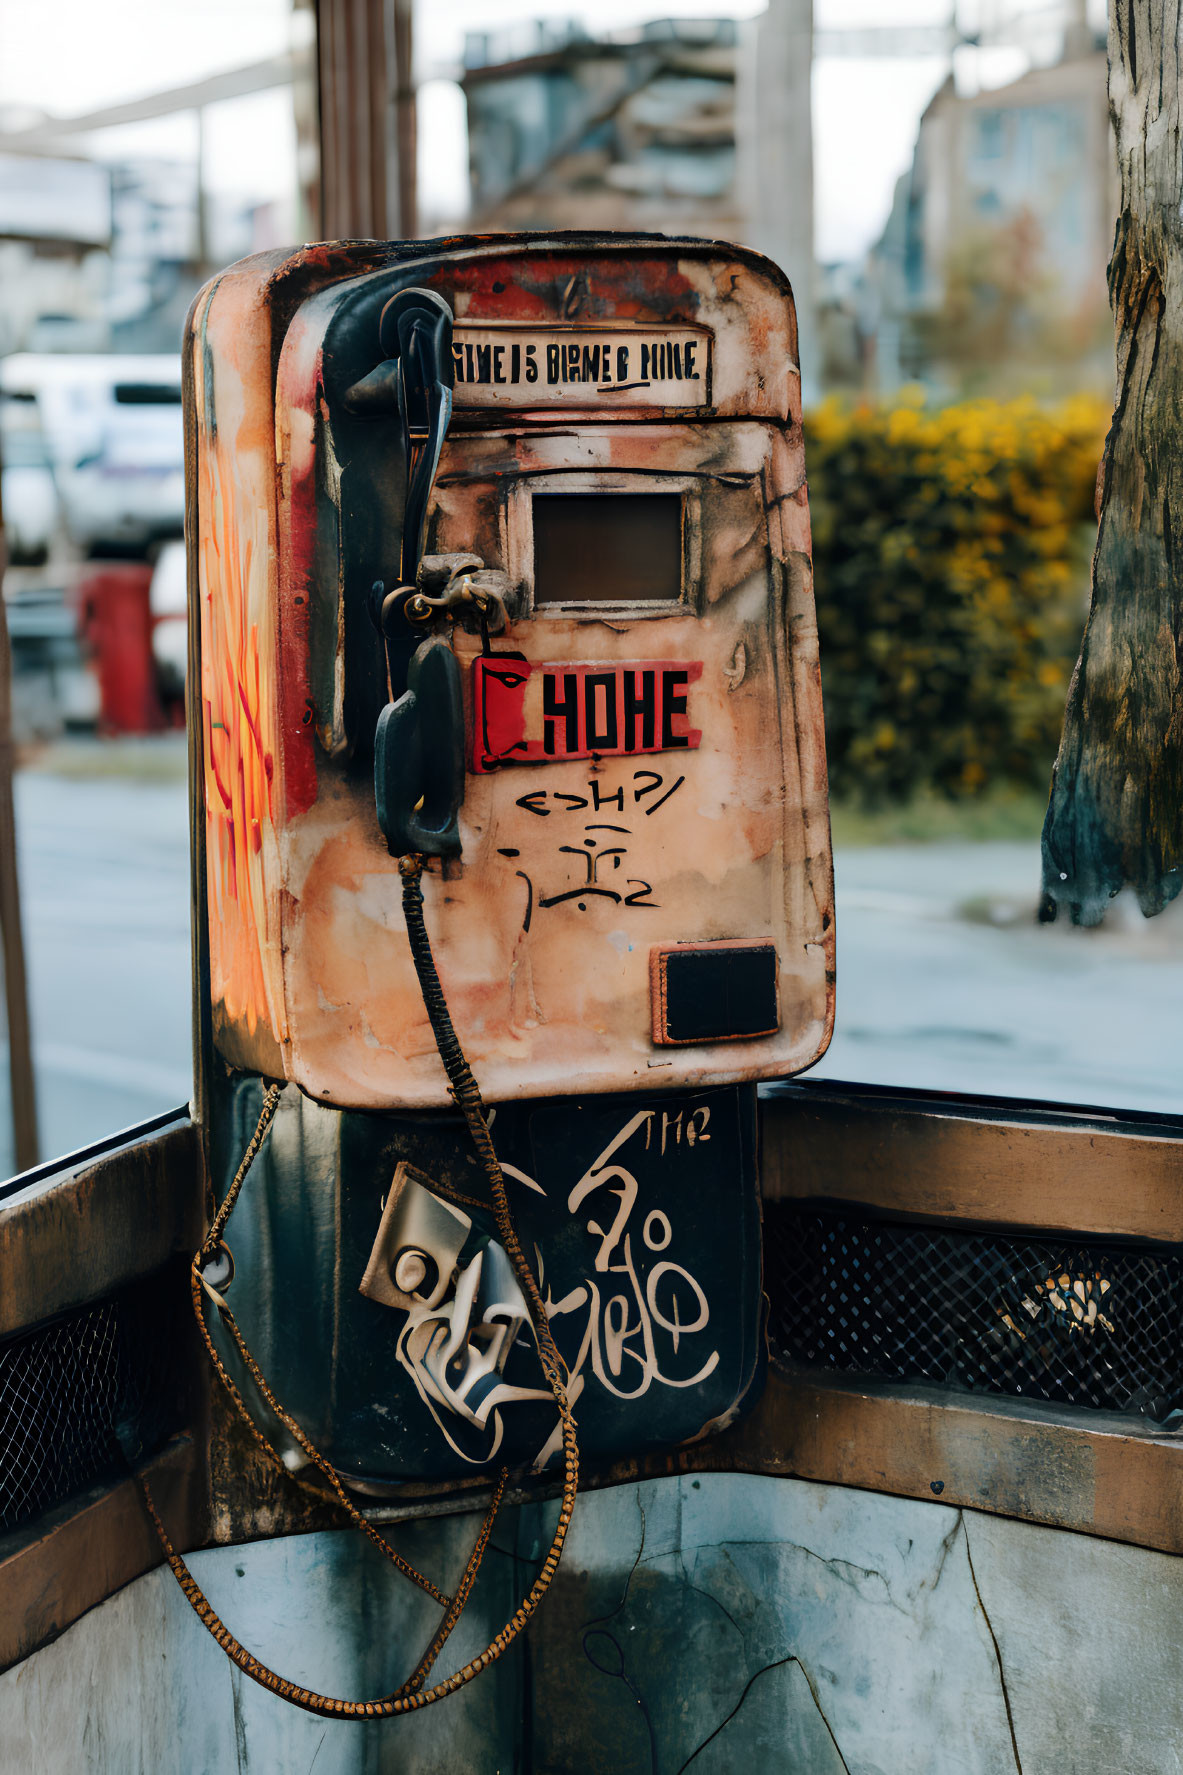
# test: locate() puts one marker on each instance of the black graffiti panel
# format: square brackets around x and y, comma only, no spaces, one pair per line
[640,1215]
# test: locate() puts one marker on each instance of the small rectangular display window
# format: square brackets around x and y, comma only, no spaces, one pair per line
[599,548]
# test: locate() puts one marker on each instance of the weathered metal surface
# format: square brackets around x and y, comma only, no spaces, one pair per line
[310,974]
[1099,1473]
[743,1623]
[73,1235]
[1104,1476]
[956,1161]
[57,1568]
[1091,1472]
[225,819]
[712,1624]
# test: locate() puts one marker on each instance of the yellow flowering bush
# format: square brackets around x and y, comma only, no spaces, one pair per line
[951,550]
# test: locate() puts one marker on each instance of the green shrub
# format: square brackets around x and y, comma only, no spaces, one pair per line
[951,552]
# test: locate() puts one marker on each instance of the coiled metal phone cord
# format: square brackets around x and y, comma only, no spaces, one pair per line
[412,1695]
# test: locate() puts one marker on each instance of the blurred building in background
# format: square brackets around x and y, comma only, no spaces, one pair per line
[991,269]
[96,256]
[635,131]
[684,126]
[55,237]
[155,265]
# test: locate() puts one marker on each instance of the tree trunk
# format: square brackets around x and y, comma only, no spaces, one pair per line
[1116,810]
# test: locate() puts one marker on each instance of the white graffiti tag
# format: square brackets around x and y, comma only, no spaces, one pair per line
[626,1315]
[464,1320]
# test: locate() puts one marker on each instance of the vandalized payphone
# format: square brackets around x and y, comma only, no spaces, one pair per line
[516,850]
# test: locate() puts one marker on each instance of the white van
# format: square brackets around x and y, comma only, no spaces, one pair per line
[115,438]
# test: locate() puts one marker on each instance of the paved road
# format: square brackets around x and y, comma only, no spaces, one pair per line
[105,890]
[944,979]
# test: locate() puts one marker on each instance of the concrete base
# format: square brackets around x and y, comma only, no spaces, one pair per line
[717,1623]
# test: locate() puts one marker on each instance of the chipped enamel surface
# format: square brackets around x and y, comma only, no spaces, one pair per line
[574,870]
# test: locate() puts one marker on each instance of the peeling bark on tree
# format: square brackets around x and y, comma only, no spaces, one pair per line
[1116,810]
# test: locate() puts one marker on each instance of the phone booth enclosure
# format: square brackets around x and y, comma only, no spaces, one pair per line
[643,898]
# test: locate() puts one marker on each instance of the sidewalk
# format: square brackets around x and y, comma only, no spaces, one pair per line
[104,868]
[946,982]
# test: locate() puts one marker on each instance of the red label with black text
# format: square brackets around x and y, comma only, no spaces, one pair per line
[545,711]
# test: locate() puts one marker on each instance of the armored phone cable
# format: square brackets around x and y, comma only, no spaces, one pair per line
[466,1094]
[412,1695]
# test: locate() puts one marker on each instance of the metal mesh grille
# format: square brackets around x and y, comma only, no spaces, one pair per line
[1072,1323]
[75,1392]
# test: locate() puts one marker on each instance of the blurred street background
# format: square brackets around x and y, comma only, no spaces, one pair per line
[938,180]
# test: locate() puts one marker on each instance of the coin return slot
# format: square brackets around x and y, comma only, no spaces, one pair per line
[714,992]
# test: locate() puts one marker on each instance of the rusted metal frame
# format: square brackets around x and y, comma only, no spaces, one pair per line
[73,1235]
[75,1556]
[1093,1473]
[68,1236]
[973,1161]
[1096,1473]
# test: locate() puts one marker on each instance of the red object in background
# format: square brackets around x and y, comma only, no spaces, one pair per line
[115,620]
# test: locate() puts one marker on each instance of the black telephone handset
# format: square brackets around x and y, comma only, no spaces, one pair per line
[419,757]
[419,742]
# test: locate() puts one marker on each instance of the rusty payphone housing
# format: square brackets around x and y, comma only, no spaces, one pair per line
[642,892]
[500,553]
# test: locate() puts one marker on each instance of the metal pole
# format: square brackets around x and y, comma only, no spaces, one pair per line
[201,246]
[405,120]
[16,995]
[367,118]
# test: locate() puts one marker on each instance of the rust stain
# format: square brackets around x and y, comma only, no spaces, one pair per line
[630,287]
